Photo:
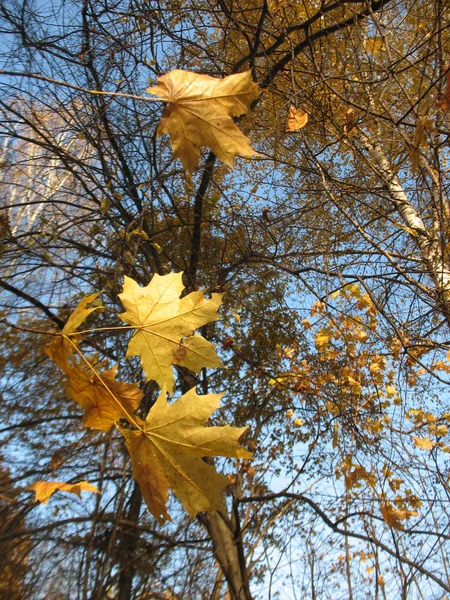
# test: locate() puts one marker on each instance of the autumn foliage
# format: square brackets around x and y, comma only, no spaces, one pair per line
[225,300]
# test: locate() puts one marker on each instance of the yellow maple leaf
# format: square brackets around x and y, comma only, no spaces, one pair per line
[394,517]
[80,313]
[200,112]
[322,340]
[297,119]
[104,399]
[164,325]
[45,489]
[423,443]
[60,349]
[374,45]
[390,391]
[167,453]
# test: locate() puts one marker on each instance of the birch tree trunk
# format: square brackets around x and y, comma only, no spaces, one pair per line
[426,239]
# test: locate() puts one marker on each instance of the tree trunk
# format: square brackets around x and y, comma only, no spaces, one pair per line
[226,551]
[128,547]
[426,240]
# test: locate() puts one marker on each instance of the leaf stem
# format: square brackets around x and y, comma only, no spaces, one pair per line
[75,333]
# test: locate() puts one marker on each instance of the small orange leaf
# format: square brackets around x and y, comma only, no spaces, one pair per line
[394,517]
[423,443]
[45,489]
[444,101]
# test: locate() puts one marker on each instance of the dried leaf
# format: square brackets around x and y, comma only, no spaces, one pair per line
[44,489]
[200,112]
[297,119]
[104,399]
[164,325]
[168,453]
[423,443]
[80,313]
[373,45]
[444,102]
[355,477]
[394,517]
[423,125]
[60,349]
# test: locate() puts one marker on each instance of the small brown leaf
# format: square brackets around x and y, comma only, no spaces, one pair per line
[297,119]
[444,101]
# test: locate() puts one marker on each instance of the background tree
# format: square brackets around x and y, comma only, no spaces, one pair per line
[331,248]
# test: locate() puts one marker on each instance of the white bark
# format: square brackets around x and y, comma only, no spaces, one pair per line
[427,241]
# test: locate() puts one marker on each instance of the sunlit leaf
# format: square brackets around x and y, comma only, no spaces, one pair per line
[200,112]
[167,453]
[164,325]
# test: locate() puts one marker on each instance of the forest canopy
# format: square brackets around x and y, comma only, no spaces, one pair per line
[224,299]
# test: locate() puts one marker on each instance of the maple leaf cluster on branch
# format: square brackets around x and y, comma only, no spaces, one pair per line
[166,448]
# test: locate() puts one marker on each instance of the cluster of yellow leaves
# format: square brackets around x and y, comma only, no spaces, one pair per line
[355,476]
[433,425]
[400,509]
[167,448]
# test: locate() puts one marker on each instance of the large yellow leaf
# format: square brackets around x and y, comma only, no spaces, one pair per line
[163,321]
[167,453]
[44,489]
[200,112]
